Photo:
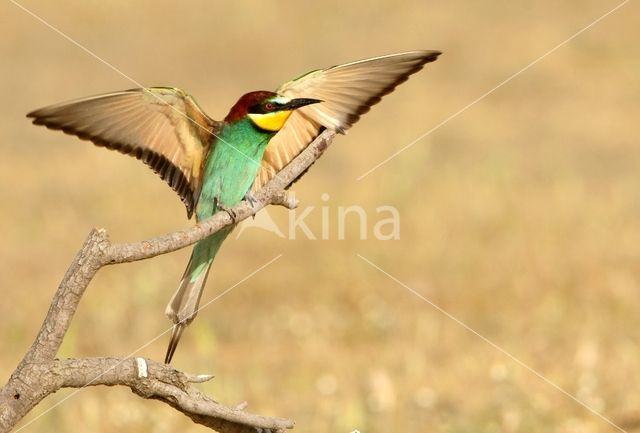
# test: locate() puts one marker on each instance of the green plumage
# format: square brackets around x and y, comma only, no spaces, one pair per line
[229,172]
[232,166]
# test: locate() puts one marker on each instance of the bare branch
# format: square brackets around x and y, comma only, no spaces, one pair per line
[160,382]
[40,374]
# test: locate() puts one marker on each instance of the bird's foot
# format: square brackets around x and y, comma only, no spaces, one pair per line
[226,209]
[251,199]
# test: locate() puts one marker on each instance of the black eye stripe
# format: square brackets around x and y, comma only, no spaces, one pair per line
[263,108]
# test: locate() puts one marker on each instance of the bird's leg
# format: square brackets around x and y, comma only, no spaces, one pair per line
[224,208]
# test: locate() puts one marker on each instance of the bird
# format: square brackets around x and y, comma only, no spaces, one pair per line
[213,165]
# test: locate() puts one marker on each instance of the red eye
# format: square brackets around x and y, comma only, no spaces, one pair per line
[268,106]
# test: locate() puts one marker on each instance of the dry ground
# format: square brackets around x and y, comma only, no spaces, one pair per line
[520,217]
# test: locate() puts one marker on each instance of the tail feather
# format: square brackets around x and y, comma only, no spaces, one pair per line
[183,307]
[176,333]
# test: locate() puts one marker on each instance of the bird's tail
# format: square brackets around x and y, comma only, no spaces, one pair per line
[183,307]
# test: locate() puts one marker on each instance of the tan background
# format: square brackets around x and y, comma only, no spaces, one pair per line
[520,217]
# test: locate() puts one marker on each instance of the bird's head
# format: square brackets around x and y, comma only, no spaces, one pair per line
[267,110]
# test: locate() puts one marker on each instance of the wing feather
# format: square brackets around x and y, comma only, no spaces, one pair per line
[163,127]
[347,91]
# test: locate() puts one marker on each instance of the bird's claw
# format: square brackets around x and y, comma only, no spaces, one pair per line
[232,214]
[250,198]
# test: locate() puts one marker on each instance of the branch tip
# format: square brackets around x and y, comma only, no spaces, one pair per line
[241,406]
[198,378]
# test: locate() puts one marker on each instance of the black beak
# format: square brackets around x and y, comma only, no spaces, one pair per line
[299,102]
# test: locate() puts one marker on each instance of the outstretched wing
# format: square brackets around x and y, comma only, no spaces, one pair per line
[163,127]
[347,92]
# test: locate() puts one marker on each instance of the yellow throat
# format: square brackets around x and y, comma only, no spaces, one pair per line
[270,121]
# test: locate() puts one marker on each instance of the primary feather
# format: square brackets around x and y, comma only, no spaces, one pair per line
[163,127]
[347,92]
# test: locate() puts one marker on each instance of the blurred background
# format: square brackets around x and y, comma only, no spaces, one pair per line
[520,217]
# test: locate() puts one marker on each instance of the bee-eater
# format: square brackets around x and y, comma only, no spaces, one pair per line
[213,165]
